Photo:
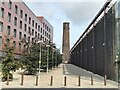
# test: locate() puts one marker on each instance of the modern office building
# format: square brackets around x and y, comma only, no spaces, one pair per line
[98,49]
[18,21]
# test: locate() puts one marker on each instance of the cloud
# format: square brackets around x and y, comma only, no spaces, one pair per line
[81,12]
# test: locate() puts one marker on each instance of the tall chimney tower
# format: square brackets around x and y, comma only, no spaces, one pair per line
[66,42]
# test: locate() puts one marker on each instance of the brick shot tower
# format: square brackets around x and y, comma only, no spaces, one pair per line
[66,42]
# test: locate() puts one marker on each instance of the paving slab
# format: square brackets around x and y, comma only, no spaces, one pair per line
[70,71]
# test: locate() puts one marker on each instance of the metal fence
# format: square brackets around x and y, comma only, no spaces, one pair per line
[97,49]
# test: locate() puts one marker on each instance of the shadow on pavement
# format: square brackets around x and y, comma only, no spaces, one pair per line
[69,69]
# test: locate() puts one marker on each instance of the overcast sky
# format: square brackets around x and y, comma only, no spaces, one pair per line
[78,13]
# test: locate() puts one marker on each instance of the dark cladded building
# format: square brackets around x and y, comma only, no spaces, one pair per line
[98,49]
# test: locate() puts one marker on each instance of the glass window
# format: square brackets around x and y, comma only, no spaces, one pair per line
[21,13]
[9,17]
[32,31]
[20,24]
[0,40]
[49,36]
[36,25]
[25,27]
[20,35]
[8,28]
[20,46]
[29,39]
[33,23]
[25,17]
[49,30]
[43,25]
[45,33]
[1,26]
[25,37]
[2,13]
[15,32]
[38,35]
[16,9]
[29,30]
[29,20]
[35,34]
[32,40]
[41,30]
[15,21]
[10,4]
[14,44]
[41,37]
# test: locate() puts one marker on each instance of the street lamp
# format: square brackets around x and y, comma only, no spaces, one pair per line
[53,45]
[40,56]
[47,57]
[56,59]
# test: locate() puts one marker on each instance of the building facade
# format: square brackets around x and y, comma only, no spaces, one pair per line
[18,21]
[98,49]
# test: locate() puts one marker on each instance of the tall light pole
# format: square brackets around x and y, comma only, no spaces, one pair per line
[56,57]
[47,57]
[39,57]
[52,55]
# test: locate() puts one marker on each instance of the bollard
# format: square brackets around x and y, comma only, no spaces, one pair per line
[36,80]
[105,78]
[79,81]
[65,80]
[91,80]
[7,80]
[51,81]
[22,77]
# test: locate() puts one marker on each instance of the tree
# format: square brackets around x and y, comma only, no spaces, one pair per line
[8,62]
[30,57]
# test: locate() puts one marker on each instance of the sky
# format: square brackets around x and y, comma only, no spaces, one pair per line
[79,13]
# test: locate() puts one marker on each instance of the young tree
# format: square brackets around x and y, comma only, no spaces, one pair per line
[8,62]
[30,57]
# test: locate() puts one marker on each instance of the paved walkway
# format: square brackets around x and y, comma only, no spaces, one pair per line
[58,74]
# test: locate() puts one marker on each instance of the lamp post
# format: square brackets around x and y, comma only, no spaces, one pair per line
[47,57]
[53,45]
[52,57]
[39,57]
[56,58]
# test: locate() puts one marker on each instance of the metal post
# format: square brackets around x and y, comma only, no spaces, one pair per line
[56,59]
[65,80]
[105,78]
[36,80]
[7,79]
[22,77]
[52,57]
[51,81]
[91,80]
[79,81]
[40,59]
[47,58]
